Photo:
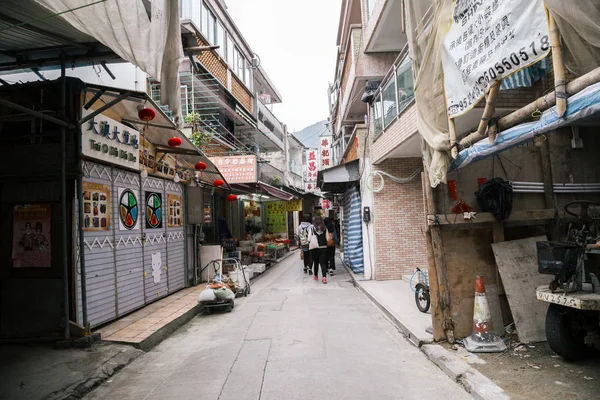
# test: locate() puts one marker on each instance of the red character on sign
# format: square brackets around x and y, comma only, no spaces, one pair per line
[326,162]
[324,142]
[312,156]
[312,166]
[325,153]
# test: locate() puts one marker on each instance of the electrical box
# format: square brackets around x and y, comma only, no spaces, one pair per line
[195,205]
[367,214]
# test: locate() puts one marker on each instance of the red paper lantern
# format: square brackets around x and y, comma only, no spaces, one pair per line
[232,197]
[174,142]
[218,182]
[147,114]
[200,166]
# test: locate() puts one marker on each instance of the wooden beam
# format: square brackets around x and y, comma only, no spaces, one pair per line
[452,133]
[484,217]
[558,67]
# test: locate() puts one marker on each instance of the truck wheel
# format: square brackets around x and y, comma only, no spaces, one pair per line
[565,332]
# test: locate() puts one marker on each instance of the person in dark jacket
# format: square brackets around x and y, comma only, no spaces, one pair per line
[318,247]
[331,245]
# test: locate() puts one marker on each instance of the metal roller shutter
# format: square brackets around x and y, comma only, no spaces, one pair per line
[175,236]
[128,247]
[155,246]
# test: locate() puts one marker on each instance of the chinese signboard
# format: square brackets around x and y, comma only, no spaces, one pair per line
[31,236]
[325,150]
[325,204]
[236,169]
[487,41]
[294,205]
[96,207]
[312,168]
[276,216]
[107,140]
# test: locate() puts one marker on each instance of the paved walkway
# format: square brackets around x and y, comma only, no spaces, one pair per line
[292,338]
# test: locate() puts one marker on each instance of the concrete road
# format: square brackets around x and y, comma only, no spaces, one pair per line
[292,338]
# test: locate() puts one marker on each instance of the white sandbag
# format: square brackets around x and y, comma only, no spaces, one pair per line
[224,293]
[207,295]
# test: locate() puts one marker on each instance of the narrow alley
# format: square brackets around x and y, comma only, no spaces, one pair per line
[293,338]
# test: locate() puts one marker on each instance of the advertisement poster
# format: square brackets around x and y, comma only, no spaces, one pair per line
[236,169]
[175,216]
[31,236]
[294,205]
[207,215]
[129,210]
[96,207]
[276,213]
[154,211]
[487,41]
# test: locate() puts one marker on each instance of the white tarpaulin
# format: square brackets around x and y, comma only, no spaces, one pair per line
[488,40]
[152,43]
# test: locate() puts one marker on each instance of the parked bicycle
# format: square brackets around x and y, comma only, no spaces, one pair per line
[421,291]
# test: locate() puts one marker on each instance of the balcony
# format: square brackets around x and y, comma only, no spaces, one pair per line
[269,124]
[358,67]
[383,23]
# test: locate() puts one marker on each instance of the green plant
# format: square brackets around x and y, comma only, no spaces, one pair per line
[253,228]
[276,180]
[199,137]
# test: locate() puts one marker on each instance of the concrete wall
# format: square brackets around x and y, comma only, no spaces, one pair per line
[398,221]
[395,134]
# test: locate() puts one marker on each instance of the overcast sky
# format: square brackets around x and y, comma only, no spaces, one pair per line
[295,41]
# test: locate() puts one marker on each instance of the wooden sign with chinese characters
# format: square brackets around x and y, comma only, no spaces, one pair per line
[312,168]
[276,216]
[96,207]
[107,140]
[325,150]
[236,169]
[294,205]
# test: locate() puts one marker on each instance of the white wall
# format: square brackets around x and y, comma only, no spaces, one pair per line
[127,76]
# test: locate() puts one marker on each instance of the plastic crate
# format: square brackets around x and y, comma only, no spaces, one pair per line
[556,257]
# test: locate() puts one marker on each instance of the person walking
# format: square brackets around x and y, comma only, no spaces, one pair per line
[333,241]
[304,242]
[318,247]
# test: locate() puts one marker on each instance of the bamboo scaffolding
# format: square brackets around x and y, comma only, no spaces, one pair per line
[452,132]
[559,68]
[541,104]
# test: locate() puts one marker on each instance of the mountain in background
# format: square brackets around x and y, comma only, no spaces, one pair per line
[309,136]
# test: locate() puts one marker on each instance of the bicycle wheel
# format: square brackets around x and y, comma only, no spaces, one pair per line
[422,297]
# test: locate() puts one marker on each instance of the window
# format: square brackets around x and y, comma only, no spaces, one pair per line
[376,112]
[204,25]
[370,7]
[404,84]
[230,48]
[220,40]
[389,103]
[211,28]
[186,7]
[235,60]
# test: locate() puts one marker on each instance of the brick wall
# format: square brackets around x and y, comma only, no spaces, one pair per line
[399,222]
[240,92]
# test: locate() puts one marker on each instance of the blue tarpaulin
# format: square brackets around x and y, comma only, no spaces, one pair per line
[352,225]
[581,105]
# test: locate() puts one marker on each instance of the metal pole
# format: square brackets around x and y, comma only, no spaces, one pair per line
[63,195]
[80,228]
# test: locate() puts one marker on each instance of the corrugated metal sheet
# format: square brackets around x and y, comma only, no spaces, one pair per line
[175,244]
[155,248]
[352,225]
[128,249]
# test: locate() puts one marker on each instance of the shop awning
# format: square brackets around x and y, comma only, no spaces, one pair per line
[273,191]
[581,105]
[261,187]
[340,178]
[124,108]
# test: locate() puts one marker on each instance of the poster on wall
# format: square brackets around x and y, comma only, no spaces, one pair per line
[276,213]
[31,236]
[129,210]
[175,216]
[487,41]
[154,210]
[96,207]
[294,205]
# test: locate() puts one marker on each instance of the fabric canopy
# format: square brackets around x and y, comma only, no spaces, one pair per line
[152,42]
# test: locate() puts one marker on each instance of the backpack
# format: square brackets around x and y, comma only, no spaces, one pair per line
[322,238]
[304,238]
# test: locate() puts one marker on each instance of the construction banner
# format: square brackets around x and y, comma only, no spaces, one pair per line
[488,40]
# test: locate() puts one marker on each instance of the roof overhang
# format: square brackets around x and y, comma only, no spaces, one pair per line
[340,178]
[261,187]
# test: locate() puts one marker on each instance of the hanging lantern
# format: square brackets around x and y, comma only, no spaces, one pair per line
[218,182]
[200,166]
[174,142]
[147,114]
[232,197]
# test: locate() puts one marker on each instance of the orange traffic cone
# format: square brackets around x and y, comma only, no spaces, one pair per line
[483,339]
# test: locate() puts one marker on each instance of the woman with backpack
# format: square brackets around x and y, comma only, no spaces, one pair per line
[304,242]
[318,247]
